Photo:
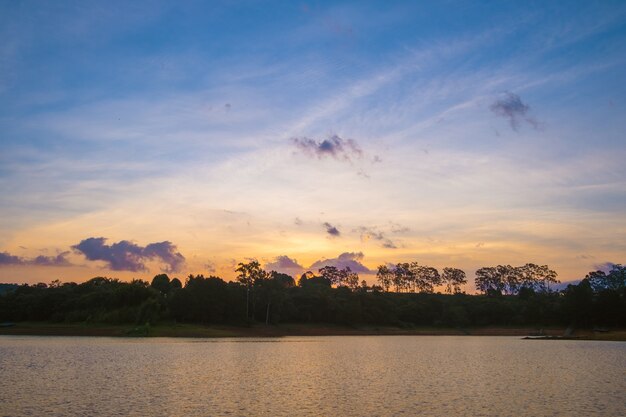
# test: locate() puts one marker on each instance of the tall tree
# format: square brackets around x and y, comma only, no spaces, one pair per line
[351,278]
[249,275]
[384,276]
[403,277]
[453,278]
[511,278]
[489,281]
[535,277]
[425,278]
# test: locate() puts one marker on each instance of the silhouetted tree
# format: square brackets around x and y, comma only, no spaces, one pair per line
[250,274]
[352,278]
[453,278]
[385,277]
[161,283]
[614,280]
[336,276]
[578,303]
[538,278]
[305,277]
[285,280]
[489,281]
[175,284]
[425,278]
[403,277]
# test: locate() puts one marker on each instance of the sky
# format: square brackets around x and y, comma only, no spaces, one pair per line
[145,137]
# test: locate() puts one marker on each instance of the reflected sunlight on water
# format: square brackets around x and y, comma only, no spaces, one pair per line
[348,376]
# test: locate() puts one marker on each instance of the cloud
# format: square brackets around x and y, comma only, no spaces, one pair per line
[398,228]
[285,265]
[388,243]
[331,230]
[604,267]
[7,259]
[165,251]
[128,256]
[334,147]
[59,260]
[511,107]
[368,233]
[363,174]
[351,260]
[210,267]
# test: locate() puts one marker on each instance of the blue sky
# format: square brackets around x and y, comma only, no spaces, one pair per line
[483,133]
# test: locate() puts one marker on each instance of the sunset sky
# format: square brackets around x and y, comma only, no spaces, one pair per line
[140,137]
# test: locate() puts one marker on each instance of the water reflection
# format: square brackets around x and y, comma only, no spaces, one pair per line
[349,376]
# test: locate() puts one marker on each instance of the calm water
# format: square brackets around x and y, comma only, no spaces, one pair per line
[330,376]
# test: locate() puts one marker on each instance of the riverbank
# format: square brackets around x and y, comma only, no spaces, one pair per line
[194,330]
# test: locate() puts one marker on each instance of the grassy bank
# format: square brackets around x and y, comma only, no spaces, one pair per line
[194,330]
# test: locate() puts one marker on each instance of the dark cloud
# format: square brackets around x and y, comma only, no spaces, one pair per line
[334,147]
[331,230]
[166,252]
[298,221]
[7,259]
[59,260]
[128,256]
[351,260]
[511,107]
[41,260]
[285,265]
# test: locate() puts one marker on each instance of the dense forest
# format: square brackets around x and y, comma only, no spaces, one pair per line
[403,296]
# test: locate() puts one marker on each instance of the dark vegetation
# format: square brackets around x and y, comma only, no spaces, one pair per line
[404,297]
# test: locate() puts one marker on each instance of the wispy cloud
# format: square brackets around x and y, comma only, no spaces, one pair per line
[128,256]
[210,267]
[367,233]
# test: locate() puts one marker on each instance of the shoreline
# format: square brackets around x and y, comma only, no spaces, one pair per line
[282,330]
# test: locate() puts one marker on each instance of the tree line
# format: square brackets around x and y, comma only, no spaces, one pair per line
[404,295]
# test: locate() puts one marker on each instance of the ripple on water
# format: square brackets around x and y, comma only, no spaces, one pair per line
[347,376]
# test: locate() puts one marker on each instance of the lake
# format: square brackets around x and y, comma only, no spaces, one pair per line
[300,376]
